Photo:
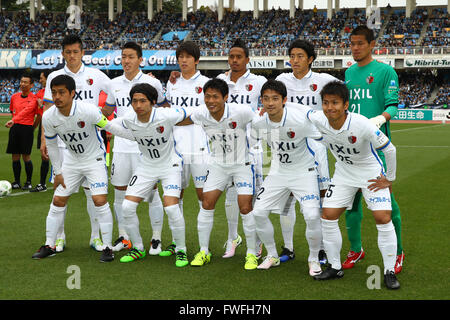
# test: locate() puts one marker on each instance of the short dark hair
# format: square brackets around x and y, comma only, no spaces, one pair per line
[46,72]
[305,45]
[65,80]
[239,43]
[217,84]
[336,88]
[363,31]
[134,46]
[276,86]
[72,39]
[147,90]
[28,74]
[190,47]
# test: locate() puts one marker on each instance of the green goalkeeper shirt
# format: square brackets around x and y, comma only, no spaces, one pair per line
[373,90]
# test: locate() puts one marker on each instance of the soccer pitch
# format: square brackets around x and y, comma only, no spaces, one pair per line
[423,154]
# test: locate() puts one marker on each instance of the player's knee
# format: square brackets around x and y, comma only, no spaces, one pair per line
[59,202]
[311,213]
[128,208]
[383,218]
[245,209]
[99,200]
[207,204]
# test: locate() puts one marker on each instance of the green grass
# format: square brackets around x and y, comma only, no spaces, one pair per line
[421,190]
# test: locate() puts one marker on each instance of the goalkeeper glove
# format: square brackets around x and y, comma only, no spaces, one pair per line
[378,120]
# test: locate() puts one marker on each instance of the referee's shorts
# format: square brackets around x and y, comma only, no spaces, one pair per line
[20,139]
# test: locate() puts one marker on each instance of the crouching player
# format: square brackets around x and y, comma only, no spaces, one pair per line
[76,123]
[353,140]
[285,128]
[152,128]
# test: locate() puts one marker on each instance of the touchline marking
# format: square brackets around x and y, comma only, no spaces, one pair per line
[25,192]
[423,146]
[424,127]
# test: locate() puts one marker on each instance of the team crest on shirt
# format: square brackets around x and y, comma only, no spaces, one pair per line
[90,81]
[198,89]
[160,129]
[369,79]
[232,124]
[352,139]
[81,124]
[313,87]
[249,87]
[290,134]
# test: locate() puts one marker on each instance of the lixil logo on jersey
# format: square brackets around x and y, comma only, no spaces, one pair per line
[90,81]
[198,89]
[352,139]
[232,125]
[313,87]
[369,79]
[81,124]
[160,129]
[290,134]
[249,87]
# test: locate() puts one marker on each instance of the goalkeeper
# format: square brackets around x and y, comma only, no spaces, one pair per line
[373,88]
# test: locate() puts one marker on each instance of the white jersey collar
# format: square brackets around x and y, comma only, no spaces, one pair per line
[67,70]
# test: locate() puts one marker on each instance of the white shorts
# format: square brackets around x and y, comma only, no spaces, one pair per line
[342,196]
[93,175]
[142,183]
[198,172]
[321,158]
[218,178]
[276,189]
[259,176]
[122,167]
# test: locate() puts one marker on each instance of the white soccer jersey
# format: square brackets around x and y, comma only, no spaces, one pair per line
[354,147]
[120,96]
[89,82]
[246,90]
[77,131]
[191,140]
[155,138]
[227,137]
[306,91]
[287,139]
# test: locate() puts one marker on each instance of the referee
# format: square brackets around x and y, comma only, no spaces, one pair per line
[25,117]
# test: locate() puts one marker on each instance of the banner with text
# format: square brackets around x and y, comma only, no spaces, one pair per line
[106,59]
[427,63]
[15,59]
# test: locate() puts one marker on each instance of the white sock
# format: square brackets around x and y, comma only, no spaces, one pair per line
[332,241]
[205,221]
[387,243]
[55,218]
[177,225]
[131,222]
[95,228]
[232,213]
[180,203]
[119,196]
[105,222]
[313,235]
[248,223]
[61,234]
[321,209]
[156,214]
[264,229]
[287,222]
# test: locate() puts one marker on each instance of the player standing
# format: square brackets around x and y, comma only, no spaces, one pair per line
[373,90]
[352,139]
[191,141]
[152,128]
[45,164]
[303,87]
[89,83]
[126,153]
[285,127]
[75,122]
[244,88]
[226,127]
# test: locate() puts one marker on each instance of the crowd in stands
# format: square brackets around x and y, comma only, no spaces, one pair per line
[443,94]
[273,29]
[413,92]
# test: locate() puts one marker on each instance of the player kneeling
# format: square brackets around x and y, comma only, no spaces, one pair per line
[351,138]
[76,123]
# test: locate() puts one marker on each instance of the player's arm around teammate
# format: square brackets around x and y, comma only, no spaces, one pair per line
[351,139]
